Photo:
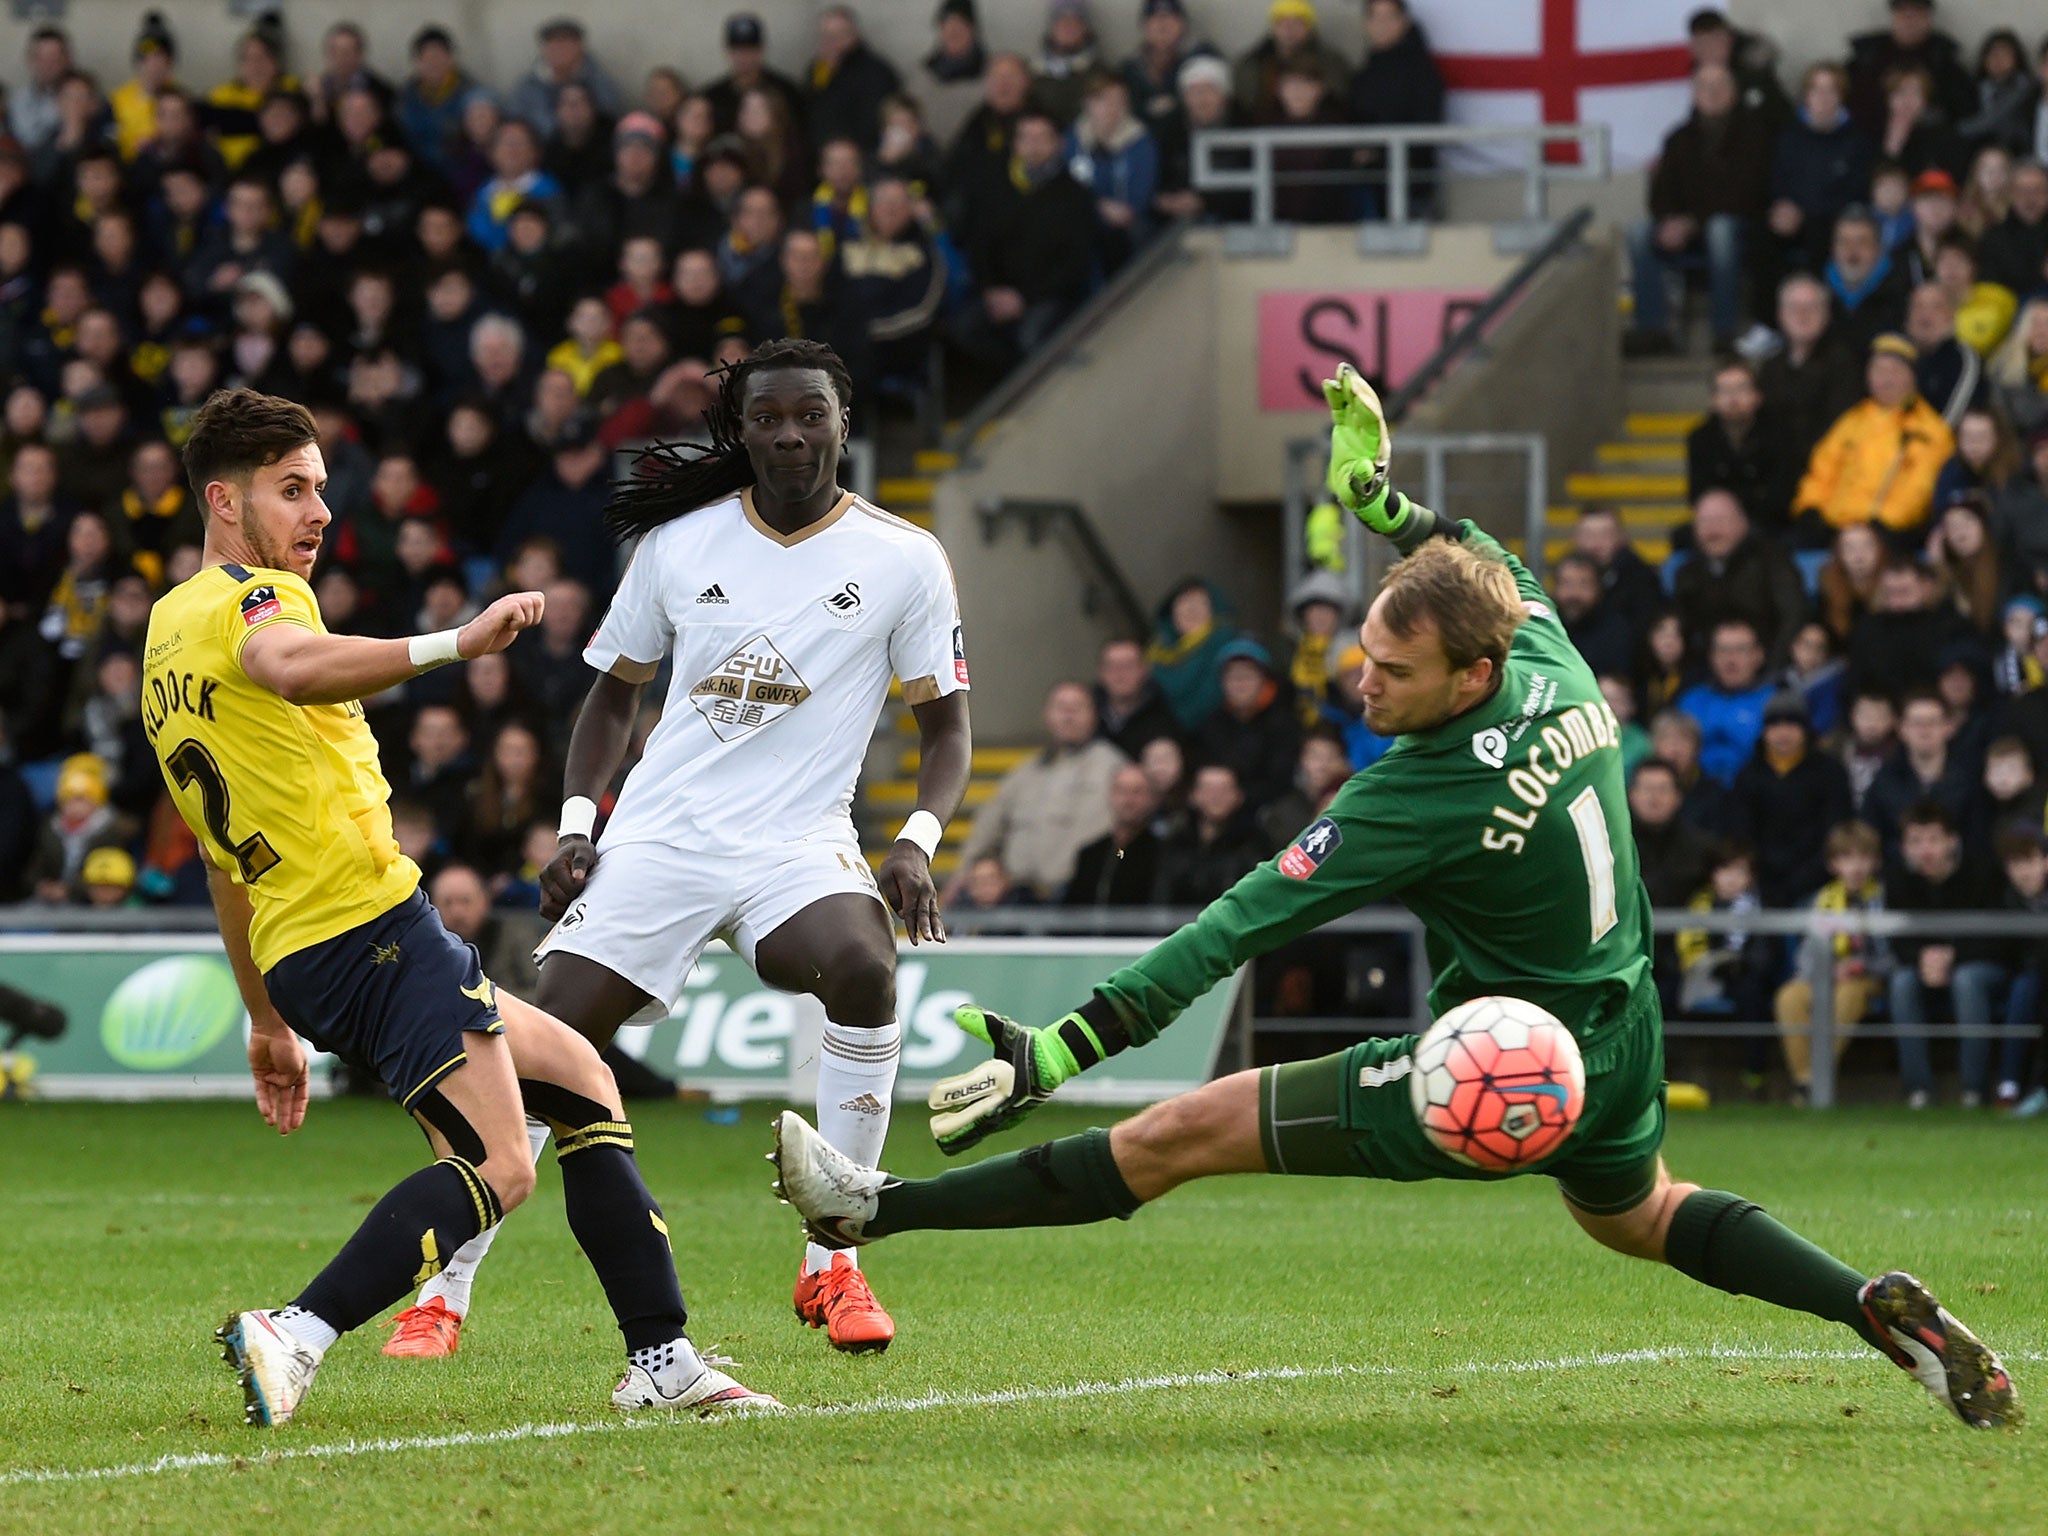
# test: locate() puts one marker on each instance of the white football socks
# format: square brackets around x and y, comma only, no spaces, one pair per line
[673,1365]
[856,1086]
[451,1286]
[309,1328]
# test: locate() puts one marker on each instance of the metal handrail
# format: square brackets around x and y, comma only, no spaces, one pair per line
[1257,178]
[1562,238]
[1365,558]
[1161,252]
[1037,516]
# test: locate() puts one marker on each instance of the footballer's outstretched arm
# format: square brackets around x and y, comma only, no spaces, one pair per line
[304,667]
[1363,850]
[597,745]
[276,1059]
[945,756]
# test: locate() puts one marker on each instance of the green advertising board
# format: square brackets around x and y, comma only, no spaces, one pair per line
[158,1017]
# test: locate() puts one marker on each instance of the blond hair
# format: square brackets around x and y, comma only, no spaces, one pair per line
[1470,597]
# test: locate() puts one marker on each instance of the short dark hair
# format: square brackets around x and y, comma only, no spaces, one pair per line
[1654,765]
[238,431]
[2017,839]
[1707,20]
[1928,813]
[1576,560]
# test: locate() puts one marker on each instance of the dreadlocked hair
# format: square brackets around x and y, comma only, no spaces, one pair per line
[670,479]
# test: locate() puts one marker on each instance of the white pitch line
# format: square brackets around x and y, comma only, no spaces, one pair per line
[926,1402]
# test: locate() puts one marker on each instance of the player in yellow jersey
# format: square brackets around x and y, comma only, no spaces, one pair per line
[251,707]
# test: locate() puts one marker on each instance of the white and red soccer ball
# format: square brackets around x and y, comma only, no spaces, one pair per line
[1497,1083]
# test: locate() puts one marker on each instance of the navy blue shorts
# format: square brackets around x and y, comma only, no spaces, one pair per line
[395,995]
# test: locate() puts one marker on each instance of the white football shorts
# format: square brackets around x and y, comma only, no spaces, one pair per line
[650,908]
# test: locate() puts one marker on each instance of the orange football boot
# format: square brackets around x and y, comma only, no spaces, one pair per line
[429,1331]
[838,1300]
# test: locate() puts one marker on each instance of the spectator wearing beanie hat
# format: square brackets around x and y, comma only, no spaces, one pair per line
[134,100]
[564,59]
[1256,732]
[1291,38]
[107,878]
[1152,74]
[1205,102]
[957,52]
[1879,461]
[746,43]
[1068,57]
[1785,799]
[82,821]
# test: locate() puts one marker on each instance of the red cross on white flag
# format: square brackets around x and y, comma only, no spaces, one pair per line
[1620,62]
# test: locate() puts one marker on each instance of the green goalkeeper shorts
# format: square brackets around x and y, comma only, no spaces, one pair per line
[1350,1115]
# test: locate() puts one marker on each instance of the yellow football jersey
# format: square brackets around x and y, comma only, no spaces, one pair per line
[287,798]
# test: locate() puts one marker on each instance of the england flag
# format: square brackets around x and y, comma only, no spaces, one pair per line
[1624,63]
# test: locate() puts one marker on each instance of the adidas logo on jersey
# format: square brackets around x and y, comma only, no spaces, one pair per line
[712,594]
[866,1104]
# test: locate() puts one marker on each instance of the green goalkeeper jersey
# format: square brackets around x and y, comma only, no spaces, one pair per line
[1506,830]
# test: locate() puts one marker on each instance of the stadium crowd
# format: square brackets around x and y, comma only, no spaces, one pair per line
[1832,693]
[483,294]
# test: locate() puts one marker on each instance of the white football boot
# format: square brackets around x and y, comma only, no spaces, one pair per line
[276,1368]
[834,1194]
[686,1381]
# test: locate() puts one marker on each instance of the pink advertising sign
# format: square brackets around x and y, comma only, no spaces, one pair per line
[1385,335]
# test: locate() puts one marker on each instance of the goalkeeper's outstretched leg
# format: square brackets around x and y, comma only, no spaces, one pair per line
[1091,1177]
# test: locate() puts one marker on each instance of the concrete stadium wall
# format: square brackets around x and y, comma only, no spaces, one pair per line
[1566,333]
[1125,430]
[1155,428]
[1254,441]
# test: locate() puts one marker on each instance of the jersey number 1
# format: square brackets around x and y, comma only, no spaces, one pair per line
[1598,851]
[191,763]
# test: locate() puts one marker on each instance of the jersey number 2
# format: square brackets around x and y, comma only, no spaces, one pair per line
[1598,851]
[190,763]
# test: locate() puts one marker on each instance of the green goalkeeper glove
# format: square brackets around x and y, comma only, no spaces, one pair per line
[1029,1064]
[1360,445]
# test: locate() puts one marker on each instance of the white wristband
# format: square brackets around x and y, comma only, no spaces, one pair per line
[923,829]
[579,815]
[435,650]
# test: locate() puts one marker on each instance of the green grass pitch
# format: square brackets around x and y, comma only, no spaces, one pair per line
[1251,1354]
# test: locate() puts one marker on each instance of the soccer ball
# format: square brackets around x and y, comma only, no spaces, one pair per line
[1497,1083]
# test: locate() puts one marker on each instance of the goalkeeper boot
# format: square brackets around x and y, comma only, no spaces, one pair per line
[837,1299]
[680,1379]
[1952,1363]
[430,1331]
[276,1369]
[834,1194]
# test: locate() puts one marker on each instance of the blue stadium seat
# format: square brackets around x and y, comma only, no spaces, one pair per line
[481,572]
[1810,561]
[41,778]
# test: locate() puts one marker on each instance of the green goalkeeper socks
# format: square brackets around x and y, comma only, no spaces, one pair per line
[1724,1241]
[1062,1183]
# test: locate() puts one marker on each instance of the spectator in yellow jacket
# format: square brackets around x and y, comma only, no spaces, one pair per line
[1878,462]
[134,100]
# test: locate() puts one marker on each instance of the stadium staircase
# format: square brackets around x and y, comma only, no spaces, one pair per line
[1642,471]
[888,790]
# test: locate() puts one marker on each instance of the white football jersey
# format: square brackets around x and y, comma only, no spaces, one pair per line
[784,646]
